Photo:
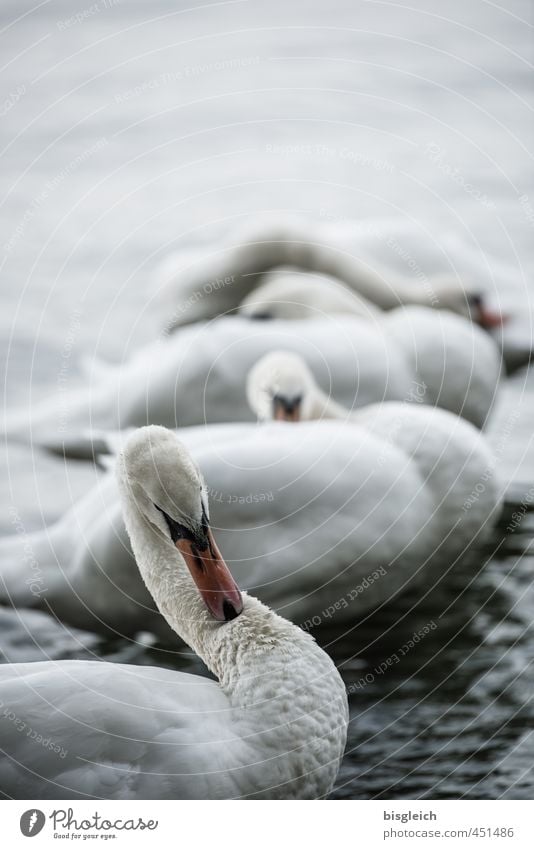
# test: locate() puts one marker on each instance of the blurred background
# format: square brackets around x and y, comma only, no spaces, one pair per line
[132,129]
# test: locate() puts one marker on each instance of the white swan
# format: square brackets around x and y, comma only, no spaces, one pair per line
[281,387]
[216,281]
[273,727]
[290,294]
[199,374]
[34,635]
[304,515]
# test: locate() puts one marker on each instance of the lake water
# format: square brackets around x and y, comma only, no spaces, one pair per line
[129,130]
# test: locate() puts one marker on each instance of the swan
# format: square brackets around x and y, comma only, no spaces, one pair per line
[290,294]
[304,515]
[281,387]
[274,724]
[203,284]
[34,635]
[199,374]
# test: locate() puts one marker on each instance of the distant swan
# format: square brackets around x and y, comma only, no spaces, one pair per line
[282,387]
[218,279]
[199,374]
[273,727]
[303,514]
[290,294]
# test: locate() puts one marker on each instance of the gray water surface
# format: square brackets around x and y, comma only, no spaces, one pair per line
[143,128]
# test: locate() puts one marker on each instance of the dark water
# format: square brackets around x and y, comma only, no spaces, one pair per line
[440,689]
[454,718]
[254,114]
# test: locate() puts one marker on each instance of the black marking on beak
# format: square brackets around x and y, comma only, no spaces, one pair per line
[488,319]
[475,303]
[289,405]
[229,611]
[199,538]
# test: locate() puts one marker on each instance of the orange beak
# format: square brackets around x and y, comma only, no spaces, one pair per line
[213,578]
[487,318]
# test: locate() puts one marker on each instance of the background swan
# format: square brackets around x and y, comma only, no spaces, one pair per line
[34,635]
[281,386]
[217,280]
[303,515]
[199,375]
[291,294]
[275,724]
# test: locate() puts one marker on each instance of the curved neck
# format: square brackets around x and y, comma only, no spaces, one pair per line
[293,244]
[286,695]
[227,648]
[165,574]
[380,286]
[323,407]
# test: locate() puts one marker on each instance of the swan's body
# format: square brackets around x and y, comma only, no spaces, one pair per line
[218,280]
[34,635]
[199,374]
[274,726]
[290,294]
[304,514]
[281,386]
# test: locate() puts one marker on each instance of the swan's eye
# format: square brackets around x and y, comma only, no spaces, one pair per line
[176,530]
[179,531]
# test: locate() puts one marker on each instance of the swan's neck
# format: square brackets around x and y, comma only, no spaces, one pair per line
[288,696]
[323,407]
[165,574]
[258,637]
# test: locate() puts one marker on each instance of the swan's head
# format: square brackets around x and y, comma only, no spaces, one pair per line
[156,471]
[483,315]
[281,386]
[472,305]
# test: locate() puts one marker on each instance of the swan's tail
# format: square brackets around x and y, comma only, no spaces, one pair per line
[82,446]
[31,425]
[96,446]
[60,417]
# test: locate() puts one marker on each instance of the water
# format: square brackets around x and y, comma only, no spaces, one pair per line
[134,131]
[454,718]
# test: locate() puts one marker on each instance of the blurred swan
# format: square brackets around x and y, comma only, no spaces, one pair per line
[304,515]
[290,294]
[281,387]
[199,374]
[216,281]
[29,635]
[273,726]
